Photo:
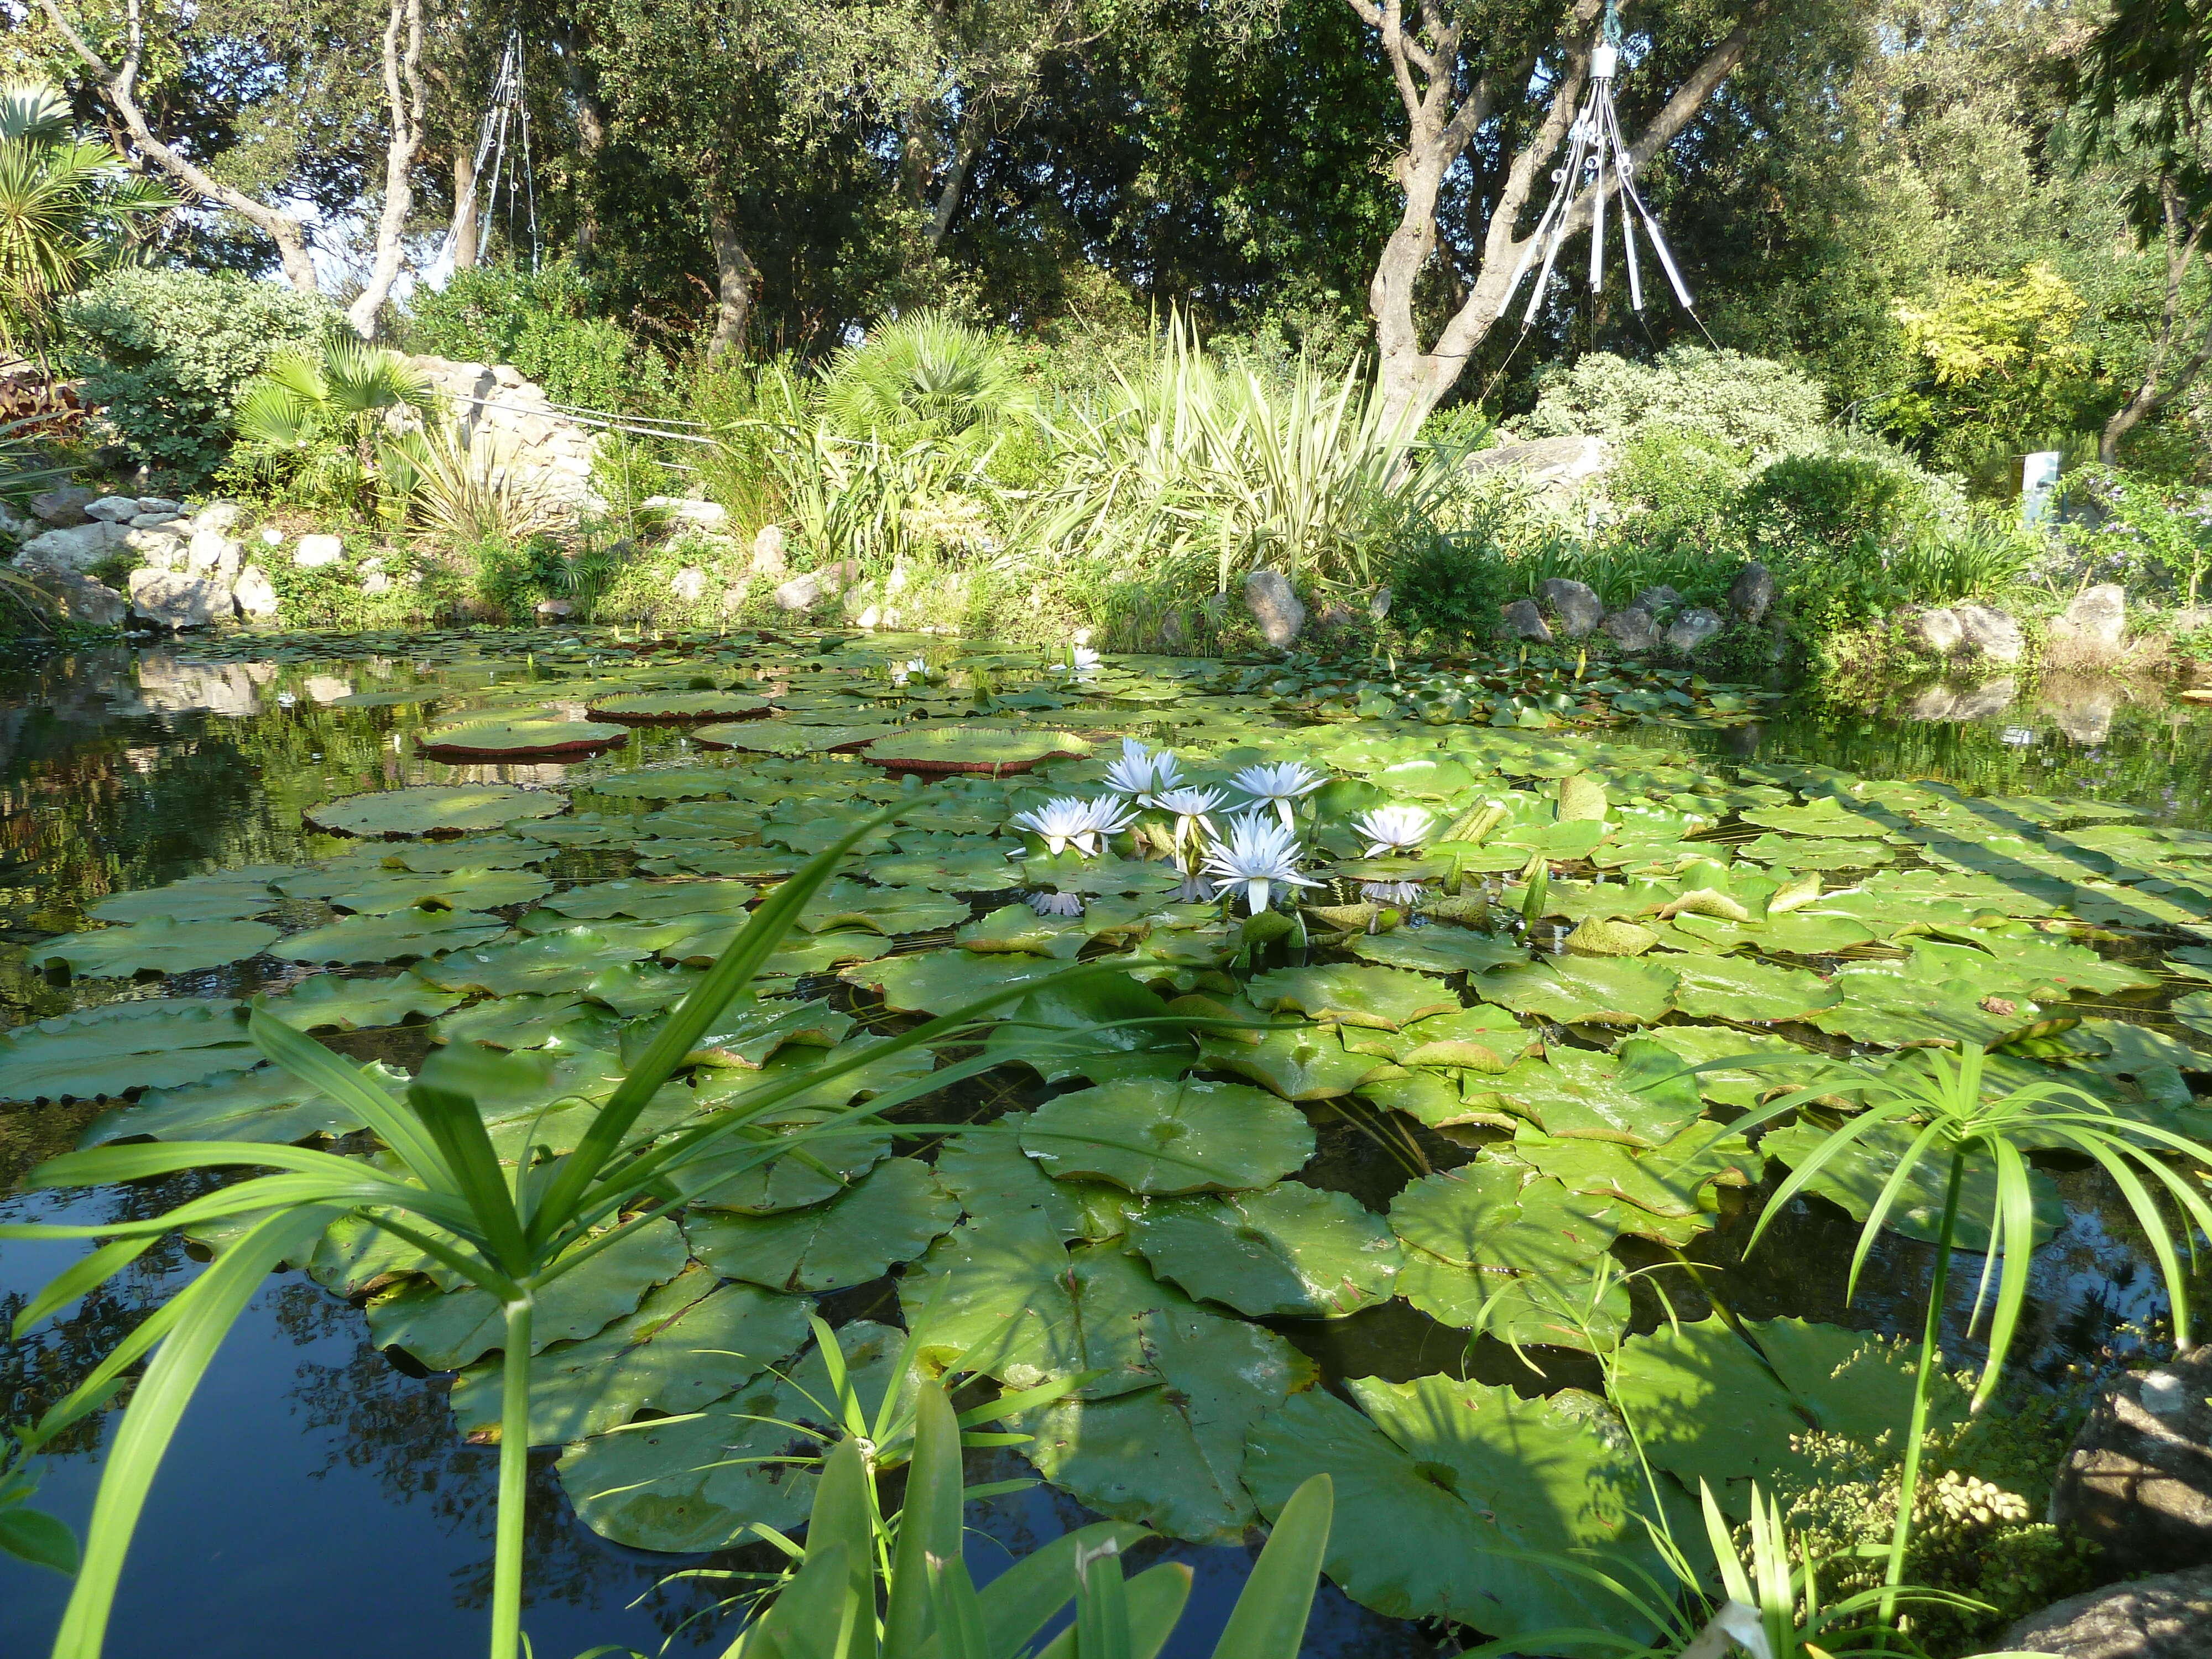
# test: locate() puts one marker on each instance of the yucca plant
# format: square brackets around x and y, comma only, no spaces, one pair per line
[463,488]
[1955,1123]
[509,1231]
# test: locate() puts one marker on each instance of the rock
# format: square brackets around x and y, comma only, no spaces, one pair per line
[1274,607]
[2095,622]
[1378,604]
[151,520]
[552,611]
[376,582]
[75,548]
[78,598]
[211,553]
[272,535]
[327,688]
[2167,1617]
[16,525]
[177,601]
[767,558]
[803,592]
[1932,703]
[689,584]
[159,504]
[1575,605]
[255,593]
[218,515]
[2137,1480]
[1525,621]
[1990,697]
[313,552]
[163,548]
[112,509]
[700,515]
[64,506]
[1632,630]
[869,619]
[1989,633]
[1693,629]
[1660,601]
[895,584]
[2188,619]
[1335,618]
[2083,710]
[1750,595]
[1553,465]
[1937,632]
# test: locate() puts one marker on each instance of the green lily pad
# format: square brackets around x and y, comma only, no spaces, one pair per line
[660,708]
[156,947]
[680,1350]
[1016,928]
[267,1103]
[1299,1060]
[1387,998]
[329,1001]
[1489,1214]
[1522,1310]
[434,809]
[942,982]
[995,751]
[1674,1179]
[1725,987]
[383,891]
[654,901]
[528,1022]
[733,1178]
[1084,1030]
[884,909]
[784,737]
[988,1171]
[890,1215]
[545,965]
[1153,1136]
[403,934]
[447,1330]
[1639,1096]
[1584,990]
[222,896]
[1287,1251]
[100,1052]
[497,740]
[1438,950]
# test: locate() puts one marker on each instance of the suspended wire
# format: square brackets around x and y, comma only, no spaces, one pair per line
[505,127]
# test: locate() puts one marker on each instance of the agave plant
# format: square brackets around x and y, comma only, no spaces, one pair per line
[508,1230]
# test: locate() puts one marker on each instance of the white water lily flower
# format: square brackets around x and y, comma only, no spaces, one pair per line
[1141,775]
[1070,821]
[1194,810]
[1257,854]
[1056,904]
[1401,895]
[1279,785]
[901,673]
[1392,829]
[1082,663]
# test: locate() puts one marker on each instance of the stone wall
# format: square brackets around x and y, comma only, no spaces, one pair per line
[549,451]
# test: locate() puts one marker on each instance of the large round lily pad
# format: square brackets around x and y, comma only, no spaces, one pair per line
[1288,1251]
[156,947]
[785,737]
[992,751]
[497,740]
[405,933]
[670,708]
[1152,1135]
[890,1215]
[126,1045]
[435,810]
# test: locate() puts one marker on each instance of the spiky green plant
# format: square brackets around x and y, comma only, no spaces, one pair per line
[924,375]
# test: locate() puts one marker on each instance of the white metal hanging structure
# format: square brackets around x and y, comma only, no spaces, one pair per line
[503,159]
[1594,145]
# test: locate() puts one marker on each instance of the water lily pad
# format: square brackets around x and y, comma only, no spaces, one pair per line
[734,1178]
[524,740]
[940,981]
[688,1341]
[1575,990]
[1490,1214]
[381,892]
[996,751]
[980,868]
[1674,1179]
[405,933]
[1152,1136]
[890,1215]
[1523,1309]
[887,910]
[1288,1251]
[1388,998]
[99,1052]
[161,946]
[669,707]
[784,737]
[267,1103]
[1438,950]
[1088,1029]
[1725,987]
[1639,1096]
[528,1022]
[988,1171]
[653,901]
[546,963]
[336,1001]
[434,809]
[222,896]
[446,1331]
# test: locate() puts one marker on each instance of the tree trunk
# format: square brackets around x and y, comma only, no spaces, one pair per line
[463,234]
[591,142]
[734,277]
[973,132]
[2184,239]
[407,99]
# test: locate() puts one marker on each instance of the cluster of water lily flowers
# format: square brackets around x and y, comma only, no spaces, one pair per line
[1389,832]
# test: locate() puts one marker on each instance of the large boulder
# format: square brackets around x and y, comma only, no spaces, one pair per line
[1632,630]
[689,584]
[1575,605]
[1693,629]
[113,509]
[171,600]
[218,515]
[1989,633]
[255,594]
[695,515]
[313,552]
[63,505]
[1937,632]
[77,548]
[768,560]
[1750,595]
[2137,1480]
[2167,1617]
[211,553]
[1523,621]
[161,546]
[2095,622]
[806,590]
[1553,465]
[1274,607]
[1659,601]
[80,600]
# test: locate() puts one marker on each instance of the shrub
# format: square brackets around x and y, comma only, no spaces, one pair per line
[1681,492]
[1756,404]
[1448,586]
[541,323]
[1827,523]
[167,354]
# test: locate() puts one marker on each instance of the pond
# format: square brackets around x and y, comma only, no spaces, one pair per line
[320,1495]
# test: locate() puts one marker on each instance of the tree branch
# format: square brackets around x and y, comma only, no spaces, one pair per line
[407,97]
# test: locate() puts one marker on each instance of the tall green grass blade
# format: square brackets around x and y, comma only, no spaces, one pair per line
[1269,1621]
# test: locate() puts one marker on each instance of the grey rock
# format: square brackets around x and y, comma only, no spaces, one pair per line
[1989,633]
[161,504]
[689,584]
[1274,607]
[1554,464]
[211,553]
[63,505]
[1335,618]
[1378,603]
[1937,632]
[376,582]
[1693,629]
[553,610]
[1575,605]
[1632,630]
[80,600]
[803,592]
[2096,622]
[2188,619]
[2137,1480]
[1525,621]
[768,560]
[177,601]
[1932,703]
[151,520]
[1990,697]
[74,548]
[162,548]
[313,552]
[2167,1617]
[113,509]
[1750,595]
[700,515]
[2082,709]
[255,593]
[16,525]
[1659,601]
[218,515]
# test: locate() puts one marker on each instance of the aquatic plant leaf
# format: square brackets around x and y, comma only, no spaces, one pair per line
[654,901]
[1339,994]
[820,1168]
[992,751]
[1753,992]
[220,896]
[1016,928]
[446,1330]
[401,935]
[634,988]
[1672,1179]
[381,892]
[328,1001]
[160,946]
[1172,1456]
[1289,1251]
[97,1052]
[434,809]
[1794,933]
[682,1349]
[1490,1214]
[267,1103]
[980,868]
[544,965]
[1854,1179]
[1638,1096]
[1298,1061]
[939,982]
[784,737]
[529,1022]
[1154,1136]
[1575,990]
[522,739]
[1438,948]
[1524,1310]
[990,1174]
[883,909]
[1090,1037]
[656,707]
[890,1215]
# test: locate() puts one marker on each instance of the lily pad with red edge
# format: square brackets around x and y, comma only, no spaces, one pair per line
[495,740]
[992,751]
[674,707]
[776,737]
